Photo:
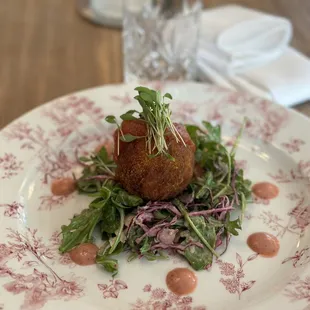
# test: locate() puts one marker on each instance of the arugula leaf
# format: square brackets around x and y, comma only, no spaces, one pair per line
[120,230]
[213,132]
[103,155]
[105,259]
[191,223]
[243,186]
[215,223]
[200,258]
[234,148]
[232,226]
[86,185]
[193,132]
[108,263]
[123,198]
[146,246]
[152,257]
[207,185]
[110,219]
[134,233]
[132,256]
[100,168]
[80,229]
[103,209]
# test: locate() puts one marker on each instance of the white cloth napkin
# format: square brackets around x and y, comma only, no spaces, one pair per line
[246,49]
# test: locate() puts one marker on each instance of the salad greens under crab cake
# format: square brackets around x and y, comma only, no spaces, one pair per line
[167,188]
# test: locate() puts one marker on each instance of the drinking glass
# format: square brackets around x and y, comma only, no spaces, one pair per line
[160,39]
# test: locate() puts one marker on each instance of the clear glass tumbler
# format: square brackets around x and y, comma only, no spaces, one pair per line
[160,39]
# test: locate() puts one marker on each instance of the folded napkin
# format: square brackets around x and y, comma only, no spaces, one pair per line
[246,49]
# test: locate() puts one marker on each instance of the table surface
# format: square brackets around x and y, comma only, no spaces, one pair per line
[47,50]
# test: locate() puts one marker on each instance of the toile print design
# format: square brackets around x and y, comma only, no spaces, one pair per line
[10,166]
[268,127]
[273,222]
[214,115]
[300,258]
[185,111]
[293,145]
[123,99]
[299,217]
[12,210]
[301,173]
[112,289]
[56,148]
[249,216]
[157,85]
[31,138]
[160,299]
[298,290]
[265,128]
[55,165]
[70,113]
[240,102]
[51,202]
[233,276]
[300,214]
[37,286]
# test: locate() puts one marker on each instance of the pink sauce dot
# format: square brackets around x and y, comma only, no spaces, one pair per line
[265,190]
[264,244]
[84,254]
[181,281]
[63,186]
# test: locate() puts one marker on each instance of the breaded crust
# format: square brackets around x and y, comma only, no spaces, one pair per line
[154,178]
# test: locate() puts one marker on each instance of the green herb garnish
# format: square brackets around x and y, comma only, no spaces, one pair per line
[156,114]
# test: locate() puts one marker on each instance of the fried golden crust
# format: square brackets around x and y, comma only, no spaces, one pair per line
[154,178]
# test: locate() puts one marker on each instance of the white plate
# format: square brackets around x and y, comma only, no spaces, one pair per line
[40,146]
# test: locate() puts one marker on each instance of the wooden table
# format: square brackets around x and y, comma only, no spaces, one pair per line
[47,50]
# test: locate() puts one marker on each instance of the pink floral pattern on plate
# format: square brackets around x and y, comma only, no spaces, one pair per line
[12,209]
[49,202]
[10,166]
[298,289]
[299,217]
[267,129]
[235,274]
[112,290]
[30,138]
[124,99]
[160,299]
[300,258]
[302,173]
[294,145]
[38,287]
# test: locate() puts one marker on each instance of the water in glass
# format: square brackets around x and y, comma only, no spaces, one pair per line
[160,39]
